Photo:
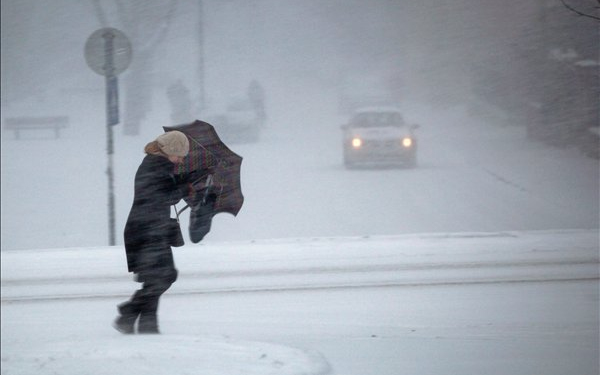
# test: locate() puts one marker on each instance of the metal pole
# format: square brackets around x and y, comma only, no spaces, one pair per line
[110,98]
[200,36]
[111,193]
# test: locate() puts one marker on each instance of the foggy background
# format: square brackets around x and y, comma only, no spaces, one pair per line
[533,65]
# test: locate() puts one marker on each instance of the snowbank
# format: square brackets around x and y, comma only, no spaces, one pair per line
[57,305]
[417,259]
[162,355]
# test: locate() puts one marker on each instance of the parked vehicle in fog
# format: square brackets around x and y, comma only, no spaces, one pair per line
[240,122]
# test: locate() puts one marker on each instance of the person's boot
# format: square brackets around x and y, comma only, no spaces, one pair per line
[126,321]
[148,323]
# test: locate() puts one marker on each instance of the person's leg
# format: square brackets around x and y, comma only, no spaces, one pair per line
[157,273]
[129,312]
[159,282]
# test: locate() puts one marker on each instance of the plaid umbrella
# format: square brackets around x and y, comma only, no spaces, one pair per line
[210,156]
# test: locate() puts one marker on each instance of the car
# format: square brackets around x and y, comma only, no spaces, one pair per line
[239,123]
[378,136]
[242,122]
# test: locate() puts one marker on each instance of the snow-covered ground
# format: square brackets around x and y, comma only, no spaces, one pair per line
[445,303]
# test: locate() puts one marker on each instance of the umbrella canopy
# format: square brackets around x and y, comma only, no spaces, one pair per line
[209,155]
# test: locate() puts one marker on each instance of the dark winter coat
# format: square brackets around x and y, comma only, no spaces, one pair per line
[146,231]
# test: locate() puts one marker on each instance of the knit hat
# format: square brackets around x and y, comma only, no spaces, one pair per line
[174,143]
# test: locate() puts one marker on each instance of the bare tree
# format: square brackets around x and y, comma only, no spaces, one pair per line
[579,12]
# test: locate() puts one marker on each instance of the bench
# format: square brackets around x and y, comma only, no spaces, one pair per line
[17,124]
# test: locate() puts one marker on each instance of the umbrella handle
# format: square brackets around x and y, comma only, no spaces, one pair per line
[208,185]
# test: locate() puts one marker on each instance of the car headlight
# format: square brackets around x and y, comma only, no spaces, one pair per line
[356,142]
[407,142]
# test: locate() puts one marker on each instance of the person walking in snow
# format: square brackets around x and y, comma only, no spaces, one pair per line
[181,102]
[147,231]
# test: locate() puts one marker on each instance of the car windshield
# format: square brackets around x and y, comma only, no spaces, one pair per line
[377,119]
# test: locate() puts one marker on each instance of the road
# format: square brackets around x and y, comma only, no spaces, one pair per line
[470,303]
[508,328]
[472,176]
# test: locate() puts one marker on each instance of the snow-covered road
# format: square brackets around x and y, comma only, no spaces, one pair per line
[472,177]
[468,303]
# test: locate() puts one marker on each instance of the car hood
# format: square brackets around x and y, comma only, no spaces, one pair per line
[379,133]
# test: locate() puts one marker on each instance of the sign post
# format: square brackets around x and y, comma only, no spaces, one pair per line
[108,53]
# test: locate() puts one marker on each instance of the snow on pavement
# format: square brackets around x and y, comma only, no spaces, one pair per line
[416,259]
[342,313]
[160,355]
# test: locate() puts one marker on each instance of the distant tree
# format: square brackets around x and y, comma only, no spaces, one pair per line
[563,71]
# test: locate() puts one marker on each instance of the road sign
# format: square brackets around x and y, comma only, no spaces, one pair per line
[108,51]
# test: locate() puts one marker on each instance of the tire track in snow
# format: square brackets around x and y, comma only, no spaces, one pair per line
[506,181]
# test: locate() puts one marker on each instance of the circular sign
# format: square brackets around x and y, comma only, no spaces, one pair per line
[108,52]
